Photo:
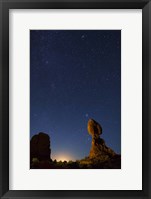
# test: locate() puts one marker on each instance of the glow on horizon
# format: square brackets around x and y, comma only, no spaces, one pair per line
[63,157]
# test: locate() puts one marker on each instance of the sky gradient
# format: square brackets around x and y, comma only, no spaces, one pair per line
[75,75]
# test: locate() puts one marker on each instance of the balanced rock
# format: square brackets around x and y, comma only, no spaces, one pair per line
[94,128]
[99,150]
[40,147]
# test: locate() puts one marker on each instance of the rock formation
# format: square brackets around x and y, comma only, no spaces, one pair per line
[100,156]
[99,150]
[40,147]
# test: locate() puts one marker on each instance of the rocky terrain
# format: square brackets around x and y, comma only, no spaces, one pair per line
[100,156]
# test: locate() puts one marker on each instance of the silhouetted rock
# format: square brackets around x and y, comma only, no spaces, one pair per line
[40,147]
[99,150]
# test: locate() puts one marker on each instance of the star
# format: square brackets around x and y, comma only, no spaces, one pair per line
[74,74]
[83,37]
[86,115]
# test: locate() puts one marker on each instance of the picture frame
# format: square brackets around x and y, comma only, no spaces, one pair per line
[4,100]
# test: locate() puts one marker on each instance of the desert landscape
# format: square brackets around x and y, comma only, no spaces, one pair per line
[100,156]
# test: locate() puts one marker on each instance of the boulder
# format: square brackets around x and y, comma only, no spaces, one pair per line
[94,128]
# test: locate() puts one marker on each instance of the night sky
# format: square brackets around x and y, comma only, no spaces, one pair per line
[75,75]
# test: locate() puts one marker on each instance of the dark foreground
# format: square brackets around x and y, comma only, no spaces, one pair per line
[113,163]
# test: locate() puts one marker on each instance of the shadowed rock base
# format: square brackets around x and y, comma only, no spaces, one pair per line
[100,151]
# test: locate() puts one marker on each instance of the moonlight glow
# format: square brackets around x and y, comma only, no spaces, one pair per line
[63,157]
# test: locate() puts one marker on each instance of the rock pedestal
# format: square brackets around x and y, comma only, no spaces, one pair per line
[99,150]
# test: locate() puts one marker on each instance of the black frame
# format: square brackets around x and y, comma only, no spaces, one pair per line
[5,5]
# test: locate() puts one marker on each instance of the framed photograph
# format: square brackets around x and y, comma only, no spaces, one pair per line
[75,99]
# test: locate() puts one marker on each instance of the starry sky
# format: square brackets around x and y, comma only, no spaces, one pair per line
[75,75]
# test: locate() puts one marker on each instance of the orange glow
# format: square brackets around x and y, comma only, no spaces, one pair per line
[62,157]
